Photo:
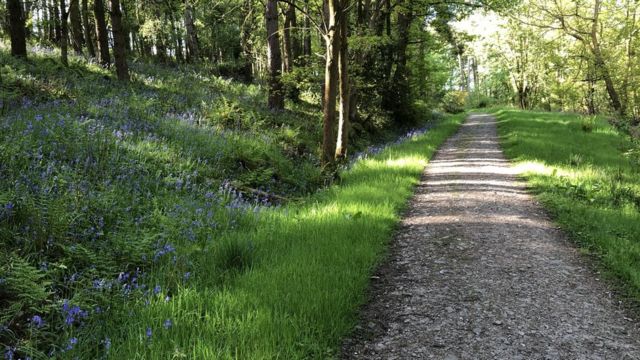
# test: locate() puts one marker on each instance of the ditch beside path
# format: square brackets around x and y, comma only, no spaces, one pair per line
[478,271]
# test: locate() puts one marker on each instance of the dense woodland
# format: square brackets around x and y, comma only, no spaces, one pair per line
[166,165]
[387,53]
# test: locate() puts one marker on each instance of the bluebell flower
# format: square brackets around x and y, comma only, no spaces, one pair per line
[157,289]
[167,324]
[107,343]
[37,321]
[148,332]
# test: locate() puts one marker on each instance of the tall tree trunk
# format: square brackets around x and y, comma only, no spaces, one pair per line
[64,40]
[276,95]
[119,42]
[306,46]
[286,38]
[600,63]
[51,24]
[345,97]
[177,39]
[57,21]
[101,33]
[332,44]
[192,37]
[16,28]
[247,27]
[77,36]
[88,39]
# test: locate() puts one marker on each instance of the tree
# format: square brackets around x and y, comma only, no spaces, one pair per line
[119,42]
[77,36]
[345,98]
[16,28]
[192,37]
[88,39]
[64,39]
[332,47]
[276,94]
[101,33]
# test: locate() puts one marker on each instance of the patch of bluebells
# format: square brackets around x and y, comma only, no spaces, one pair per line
[376,149]
[73,314]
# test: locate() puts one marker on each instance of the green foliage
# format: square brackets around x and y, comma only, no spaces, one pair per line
[586,181]
[478,100]
[454,101]
[296,277]
[587,123]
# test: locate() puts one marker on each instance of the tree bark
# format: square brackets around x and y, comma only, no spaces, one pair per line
[56,20]
[332,44]
[601,66]
[88,39]
[77,36]
[64,40]
[306,42]
[345,97]
[101,33]
[192,37]
[276,94]
[286,40]
[119,42]
[17,28]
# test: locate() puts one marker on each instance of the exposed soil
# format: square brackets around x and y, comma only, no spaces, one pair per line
[477,270]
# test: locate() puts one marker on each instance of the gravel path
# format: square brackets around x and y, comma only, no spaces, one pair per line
[478,271]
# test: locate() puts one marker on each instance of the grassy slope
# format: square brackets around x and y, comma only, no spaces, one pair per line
[585,179]
[115,217]
[312,265]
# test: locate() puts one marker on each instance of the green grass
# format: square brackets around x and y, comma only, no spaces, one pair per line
[588,177]
[308,270]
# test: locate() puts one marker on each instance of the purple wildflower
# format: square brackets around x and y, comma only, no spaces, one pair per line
[149,333]
[167,324]
[37,321]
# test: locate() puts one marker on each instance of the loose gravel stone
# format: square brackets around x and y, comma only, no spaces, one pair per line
[478,271]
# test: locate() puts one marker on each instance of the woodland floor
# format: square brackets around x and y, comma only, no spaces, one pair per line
[477,270]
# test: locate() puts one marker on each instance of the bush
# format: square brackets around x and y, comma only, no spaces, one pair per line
[454,101]
[478,100]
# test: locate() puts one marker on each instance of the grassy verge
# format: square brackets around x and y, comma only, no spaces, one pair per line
[589,180]
[288,288]
[117,195]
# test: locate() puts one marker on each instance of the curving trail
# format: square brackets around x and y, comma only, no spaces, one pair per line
[478,271]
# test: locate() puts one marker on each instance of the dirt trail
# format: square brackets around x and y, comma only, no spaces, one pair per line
[478,271]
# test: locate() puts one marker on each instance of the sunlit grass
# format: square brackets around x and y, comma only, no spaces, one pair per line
[311,266]
[587,181]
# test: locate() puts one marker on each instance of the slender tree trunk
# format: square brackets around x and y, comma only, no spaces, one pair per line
[16,28]
[332,44]
[64,40]
[192,37]
[276,95]
[88,39]
[77,36]
[56,25]
[177,39]
[600,63]
[119,42]
[101,33]
[286,41]
[345,97]
[306,46]
[52,21]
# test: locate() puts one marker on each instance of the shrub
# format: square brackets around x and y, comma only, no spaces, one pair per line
[587,123]
[454,101]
